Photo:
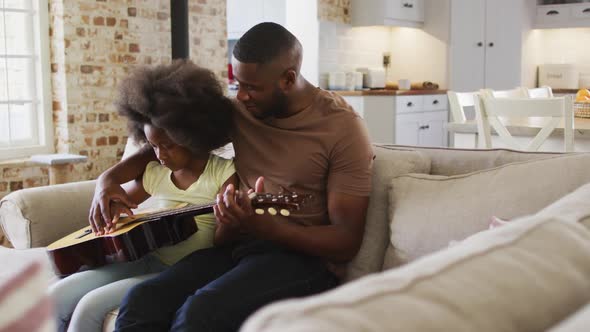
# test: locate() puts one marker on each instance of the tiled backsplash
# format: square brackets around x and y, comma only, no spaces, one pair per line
[343,48]
[415,54]
[557,46]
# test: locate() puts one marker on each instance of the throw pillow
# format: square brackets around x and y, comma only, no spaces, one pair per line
[496,222]
[388,164]
[525,277]
[427,211]
[23,302]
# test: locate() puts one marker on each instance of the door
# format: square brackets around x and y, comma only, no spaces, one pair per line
[467,45]
[503,43]
[407,129]
[432,130]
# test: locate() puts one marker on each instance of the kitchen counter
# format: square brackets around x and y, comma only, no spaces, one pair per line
[565,91]
[384,92]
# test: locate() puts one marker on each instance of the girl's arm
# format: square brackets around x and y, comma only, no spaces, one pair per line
[226,233]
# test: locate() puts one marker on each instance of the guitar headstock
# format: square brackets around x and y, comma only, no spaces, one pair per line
[282,203]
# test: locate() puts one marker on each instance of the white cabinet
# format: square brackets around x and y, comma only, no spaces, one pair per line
[405,120]
[242,15]
[563,16]
[421,120]
[422,129]
[486,38]
[408,13]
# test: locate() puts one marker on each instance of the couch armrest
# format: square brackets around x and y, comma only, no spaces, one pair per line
[35,217]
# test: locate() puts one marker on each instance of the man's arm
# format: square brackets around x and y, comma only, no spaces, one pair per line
[108,187]
[339,241]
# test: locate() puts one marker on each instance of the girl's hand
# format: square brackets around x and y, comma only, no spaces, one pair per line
[117,208]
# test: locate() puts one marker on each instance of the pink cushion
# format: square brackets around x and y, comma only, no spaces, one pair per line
[497,222]
[23,302]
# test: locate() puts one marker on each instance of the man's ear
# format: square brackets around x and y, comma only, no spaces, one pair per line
[289,79]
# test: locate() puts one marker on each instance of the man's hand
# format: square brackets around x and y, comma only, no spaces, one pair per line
[234,208]
[100,216]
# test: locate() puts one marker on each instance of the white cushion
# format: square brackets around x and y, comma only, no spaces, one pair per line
[526,276]
[388,164]
[579,321]
[430,211]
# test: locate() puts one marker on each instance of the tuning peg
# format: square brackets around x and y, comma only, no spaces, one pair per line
[259,211]
[272,211]
[252,195]
[285,212]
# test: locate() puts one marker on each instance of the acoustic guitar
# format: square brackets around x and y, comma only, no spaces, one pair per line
[137,235]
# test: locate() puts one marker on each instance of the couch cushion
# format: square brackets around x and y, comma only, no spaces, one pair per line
[4,242]
[526,276]
[429,211]
[451,161]
[109,321]
[35,217]
[388,164]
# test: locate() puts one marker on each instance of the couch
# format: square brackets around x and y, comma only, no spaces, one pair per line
[428,261]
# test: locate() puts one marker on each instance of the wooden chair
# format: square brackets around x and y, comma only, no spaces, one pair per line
[458,101]
[540,92]
[489,110]
[518,92]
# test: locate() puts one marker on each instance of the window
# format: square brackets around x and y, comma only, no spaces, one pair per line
[25,111]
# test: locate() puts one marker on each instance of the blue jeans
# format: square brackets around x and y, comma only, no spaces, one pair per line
[216,289]
[83,299]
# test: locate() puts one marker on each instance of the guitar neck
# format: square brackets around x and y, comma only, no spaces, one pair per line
[186,210]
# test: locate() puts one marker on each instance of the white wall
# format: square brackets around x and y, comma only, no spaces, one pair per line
[557,46]
[418,56]
[301,20]
[415,54]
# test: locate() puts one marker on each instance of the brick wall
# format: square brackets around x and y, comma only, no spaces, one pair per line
[334,11]
[94,44]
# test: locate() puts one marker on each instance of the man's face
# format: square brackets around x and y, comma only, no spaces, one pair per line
[259,89]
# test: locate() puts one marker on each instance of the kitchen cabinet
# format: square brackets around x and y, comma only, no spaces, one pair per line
[242,15]
[406,13]
[486,38]
[563,16]
[421,120]
[406,120]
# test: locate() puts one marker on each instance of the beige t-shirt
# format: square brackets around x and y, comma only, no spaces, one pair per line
[323,148]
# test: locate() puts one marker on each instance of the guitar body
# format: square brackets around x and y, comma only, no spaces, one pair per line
[121,246]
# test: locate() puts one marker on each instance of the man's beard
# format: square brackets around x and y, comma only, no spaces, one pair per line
[277,107]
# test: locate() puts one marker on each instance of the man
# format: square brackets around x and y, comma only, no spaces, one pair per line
[301,139]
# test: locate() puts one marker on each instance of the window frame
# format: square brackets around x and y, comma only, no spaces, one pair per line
[42,115]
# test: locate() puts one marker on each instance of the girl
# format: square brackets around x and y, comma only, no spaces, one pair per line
[181,112]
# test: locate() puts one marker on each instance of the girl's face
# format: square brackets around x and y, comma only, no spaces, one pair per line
[169,154]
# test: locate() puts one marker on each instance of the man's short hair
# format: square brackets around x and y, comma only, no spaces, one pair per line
[263,43]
